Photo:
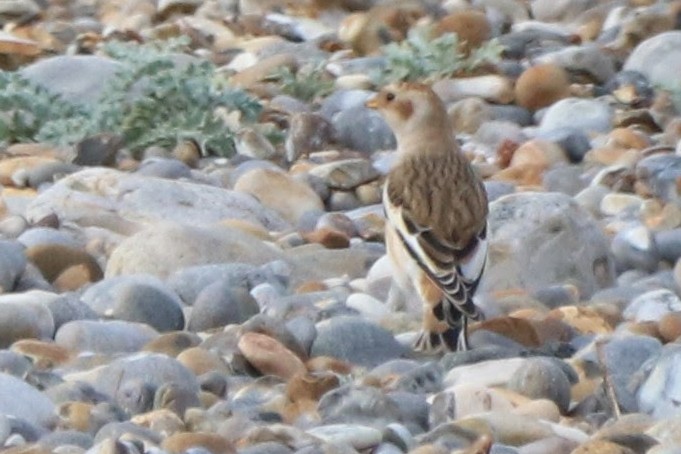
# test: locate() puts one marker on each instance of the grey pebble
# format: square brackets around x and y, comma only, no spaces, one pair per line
[23,401]
[12,264]
[358,405]
[104,336]
[190,281]
[362,129]
[657,396]
[542,379]
[67,308]
[142,299]
[56,75]
[635,248]
[25,315]
[594,116]
[67,437]
[156,369]
[220,304]
[171,169]
[268,447]
[355,340]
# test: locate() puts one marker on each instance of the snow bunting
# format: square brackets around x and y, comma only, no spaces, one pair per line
[436,208]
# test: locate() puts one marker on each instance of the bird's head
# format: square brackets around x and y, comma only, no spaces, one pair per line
[409,108]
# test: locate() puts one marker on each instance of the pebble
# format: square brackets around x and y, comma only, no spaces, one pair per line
[291,198]
[12,264]
[220,304]
[542,379]
[56,74]
[541,86]
[355,340]
[551,222]
[24,316]
[269,356]
[106,337]
[595,116]
[20,400]
[142,299]
[652,306]
[356,436]
[656,396]
[164,249]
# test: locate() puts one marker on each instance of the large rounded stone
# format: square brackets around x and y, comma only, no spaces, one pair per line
[142,299]
[56,74]
[124,202]
[25,316]
[163,249]
[542,239]
[659,59]
[355,340]
[220,304]
[594,116]
[21,400]
[152,369]
[289,197]
[660,393]
[106,337]
[12,264]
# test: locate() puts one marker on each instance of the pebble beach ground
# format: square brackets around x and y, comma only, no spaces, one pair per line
[170,298]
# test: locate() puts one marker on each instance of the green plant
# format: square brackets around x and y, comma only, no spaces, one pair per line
[27,108]
[306,84]
[160,97]
[420,57]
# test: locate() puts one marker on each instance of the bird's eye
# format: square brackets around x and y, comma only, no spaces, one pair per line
[389,96]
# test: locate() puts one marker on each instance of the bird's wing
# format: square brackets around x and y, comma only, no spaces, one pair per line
[455,269]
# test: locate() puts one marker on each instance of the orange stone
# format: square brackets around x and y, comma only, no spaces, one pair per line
[541,85]
[269,356]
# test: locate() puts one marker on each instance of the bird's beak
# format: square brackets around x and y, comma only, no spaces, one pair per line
[372,103]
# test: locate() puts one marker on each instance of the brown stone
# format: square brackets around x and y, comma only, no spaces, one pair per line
[73,278]
[53,259]
[328,364]
[45,355]
[30,448]
[8,167]
[262,70]
[182,441]
[602,447]
[670,326]
[76,415]
[279,191]
[162,421]
[584,319]
[329,238]
[311,286]
[310,386]
[517,329]
[187,152]
[472,28]
[541,85]
[269,356]
[245,226]
[173,343]
[201,361]
[10,44]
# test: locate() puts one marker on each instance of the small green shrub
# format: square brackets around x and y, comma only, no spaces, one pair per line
[307,83]
[158,98]
[422,58]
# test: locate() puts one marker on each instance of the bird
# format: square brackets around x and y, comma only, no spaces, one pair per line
[436,215]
